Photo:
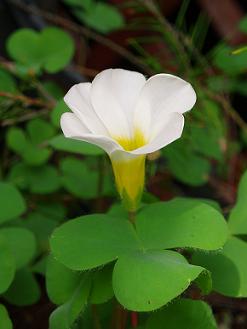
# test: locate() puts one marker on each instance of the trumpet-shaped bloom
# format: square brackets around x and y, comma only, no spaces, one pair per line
[129,117]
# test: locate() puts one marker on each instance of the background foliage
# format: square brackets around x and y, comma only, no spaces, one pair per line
[47,179]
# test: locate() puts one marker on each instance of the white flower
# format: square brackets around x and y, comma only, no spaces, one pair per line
[129,117]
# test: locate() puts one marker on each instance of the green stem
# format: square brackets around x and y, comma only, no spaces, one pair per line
[132,217]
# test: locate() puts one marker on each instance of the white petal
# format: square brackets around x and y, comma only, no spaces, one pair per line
[72,127]
[78,100]
[126,87]
[170,131]
[162,94]
[107,105]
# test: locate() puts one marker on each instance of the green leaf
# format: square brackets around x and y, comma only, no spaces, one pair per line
[53,89]
[78,179]
[62,143]
[228,268]
[206,141]
[12,203]
[102,285]
[181,223]
[86,4]
[22,244]
[39,131]
[102,17]
[42,227]
[243,24]
[7,265]
[24,290]
[30,153]
[50,49]
[185,165]
[55,210]
[38,179]
[65,315]
[238,217]
[229,63]
[183,314]
[7,83]
[90,241]
[44,180]
[61,282]
[56,113]
[5,321]
[145,281]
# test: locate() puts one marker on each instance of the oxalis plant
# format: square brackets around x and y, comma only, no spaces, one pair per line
[138,257]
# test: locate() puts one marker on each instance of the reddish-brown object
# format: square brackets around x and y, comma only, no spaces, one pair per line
[225,16]
[134,319]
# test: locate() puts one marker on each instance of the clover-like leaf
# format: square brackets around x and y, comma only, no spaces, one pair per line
[90,241]
[21,242]
[51,49]
[12,203]
[238,217]
[228,267]
[183,314]
[24,290]
[144,281]
[61,282]
[5,321]
[181,223]
[7,265]
[64,316]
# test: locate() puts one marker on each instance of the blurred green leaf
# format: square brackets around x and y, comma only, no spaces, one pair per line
[229,63]
[32,154]
[12,203]
[42,227]
[101,290]
[7,82]
[7,265]
[145,281]
[51,49]
[61,282]
[81,180]
[65,315]
[243,24]
[238,216]
[22,244]
[185,165]
[56,113]
[100,16]
[228,267]
[62,143]
[39,131]
[24,290]
[38,179]
[5,321]
[183,314]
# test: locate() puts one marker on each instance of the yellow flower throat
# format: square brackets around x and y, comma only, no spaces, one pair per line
[129,173]
[130,144]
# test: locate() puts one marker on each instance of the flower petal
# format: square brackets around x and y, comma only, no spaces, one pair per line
[78,100]
[126,87]
[170,131]
[72,127]
[106,89]
[162,94]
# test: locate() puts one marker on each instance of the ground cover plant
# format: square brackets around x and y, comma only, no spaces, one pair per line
[122,199]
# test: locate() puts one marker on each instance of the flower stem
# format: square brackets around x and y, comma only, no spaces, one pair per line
[132,217]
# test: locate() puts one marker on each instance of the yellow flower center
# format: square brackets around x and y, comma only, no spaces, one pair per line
[130,144]
[129,172]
